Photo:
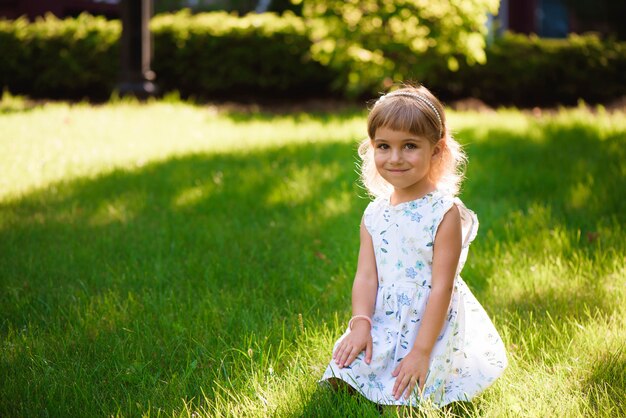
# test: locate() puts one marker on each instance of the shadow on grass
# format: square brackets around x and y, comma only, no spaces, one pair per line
[160,277]
[568,174]
[608,379]
[187,260]
[568,169]
[327,402]
[228,224]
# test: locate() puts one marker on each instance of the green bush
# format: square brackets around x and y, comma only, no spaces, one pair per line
[218,55]
[68,58]
[527,71]
[205,55]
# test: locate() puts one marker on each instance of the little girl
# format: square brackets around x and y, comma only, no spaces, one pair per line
[417,332]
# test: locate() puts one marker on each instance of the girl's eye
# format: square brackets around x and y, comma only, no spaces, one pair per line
[410,146]
[382,146]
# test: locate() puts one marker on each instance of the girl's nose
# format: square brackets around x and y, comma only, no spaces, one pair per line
[396,155]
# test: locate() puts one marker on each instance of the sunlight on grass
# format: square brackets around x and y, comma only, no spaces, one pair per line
[192,196]
[301,184]
[169,259]
[61,142]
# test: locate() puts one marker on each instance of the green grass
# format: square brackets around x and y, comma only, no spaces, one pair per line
[171,260]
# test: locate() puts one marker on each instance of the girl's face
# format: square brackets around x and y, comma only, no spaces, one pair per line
[404,160]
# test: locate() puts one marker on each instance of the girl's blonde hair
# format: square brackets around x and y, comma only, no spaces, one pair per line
[418,111]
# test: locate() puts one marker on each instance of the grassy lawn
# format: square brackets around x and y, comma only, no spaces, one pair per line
[172,260]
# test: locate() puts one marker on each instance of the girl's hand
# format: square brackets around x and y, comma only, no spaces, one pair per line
[359,338]
[411,371]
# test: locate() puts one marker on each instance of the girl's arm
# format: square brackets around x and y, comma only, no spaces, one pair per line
[413,368]
[363,299]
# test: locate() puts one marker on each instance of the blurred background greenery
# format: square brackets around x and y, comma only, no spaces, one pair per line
[482,49]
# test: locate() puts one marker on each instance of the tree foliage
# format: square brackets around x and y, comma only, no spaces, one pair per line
[375,42]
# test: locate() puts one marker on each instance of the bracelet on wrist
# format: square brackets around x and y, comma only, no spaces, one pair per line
[356,317]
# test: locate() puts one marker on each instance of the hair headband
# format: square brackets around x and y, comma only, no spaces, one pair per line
[417,97]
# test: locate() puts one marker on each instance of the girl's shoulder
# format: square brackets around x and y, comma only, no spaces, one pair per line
[375,209]
[440,199]
[377,203]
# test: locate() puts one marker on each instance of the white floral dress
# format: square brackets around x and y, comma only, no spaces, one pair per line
[468,354]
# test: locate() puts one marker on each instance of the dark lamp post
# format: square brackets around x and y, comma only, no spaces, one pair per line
[136,49]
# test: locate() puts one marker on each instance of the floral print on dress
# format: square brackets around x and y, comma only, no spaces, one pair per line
[468,355]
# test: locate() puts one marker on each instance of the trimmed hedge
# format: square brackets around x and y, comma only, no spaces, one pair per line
[59,58]
[527,71]
[204,55]
[219,55]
